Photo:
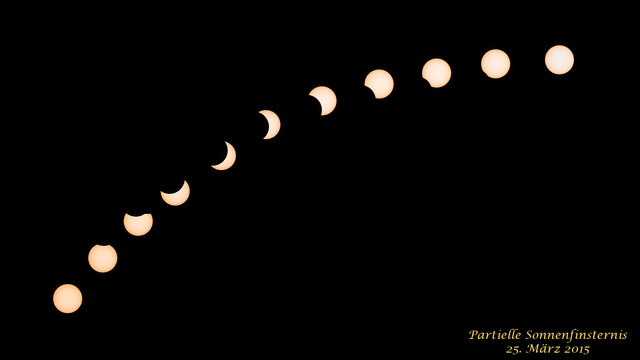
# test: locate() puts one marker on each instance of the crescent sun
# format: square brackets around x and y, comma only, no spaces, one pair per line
[177,198]
[274,123]
[229,160]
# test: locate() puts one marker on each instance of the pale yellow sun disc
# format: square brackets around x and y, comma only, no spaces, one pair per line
[138,225]
[177,198]
[103,258]
[380,82]
[495,63]
[67,298]
[437,72]
[326,97]
[559,59]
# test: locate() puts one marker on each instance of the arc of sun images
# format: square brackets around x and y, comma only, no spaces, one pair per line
[495,63]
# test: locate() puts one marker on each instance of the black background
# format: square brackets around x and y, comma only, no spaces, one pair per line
[389,227]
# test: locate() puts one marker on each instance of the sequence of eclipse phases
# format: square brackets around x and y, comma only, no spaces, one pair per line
[559,60]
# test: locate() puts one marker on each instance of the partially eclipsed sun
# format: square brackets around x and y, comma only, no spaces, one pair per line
[229,160]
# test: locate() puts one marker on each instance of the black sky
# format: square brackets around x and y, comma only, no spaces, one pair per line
[388,224]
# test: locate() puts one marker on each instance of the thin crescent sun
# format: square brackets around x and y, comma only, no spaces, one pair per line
[229,160]
[67,298]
